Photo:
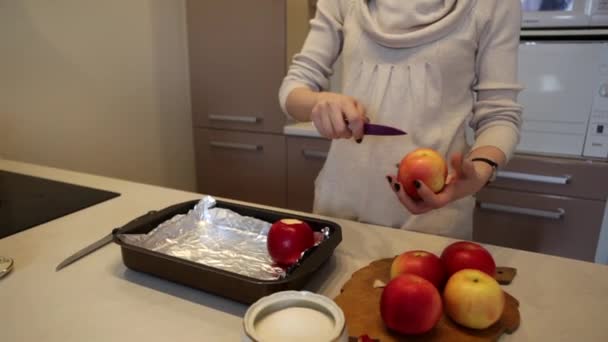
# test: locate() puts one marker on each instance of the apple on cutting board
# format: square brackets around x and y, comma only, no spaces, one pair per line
[473,299]
[466,254]
[410,304]
[422,263]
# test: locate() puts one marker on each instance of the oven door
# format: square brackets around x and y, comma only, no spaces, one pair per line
[556,13]
[561,79]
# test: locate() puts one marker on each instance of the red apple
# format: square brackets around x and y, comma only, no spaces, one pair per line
[465,254]
[425,165]
[287,239]
[473,299]
[421,263]
[410,305]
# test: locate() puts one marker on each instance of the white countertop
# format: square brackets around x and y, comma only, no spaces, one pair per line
[98,299]
[301,129]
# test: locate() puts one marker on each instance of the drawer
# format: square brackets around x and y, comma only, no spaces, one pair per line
[557,176]
[305,158]
[237,63]
[243,166]
[555,225]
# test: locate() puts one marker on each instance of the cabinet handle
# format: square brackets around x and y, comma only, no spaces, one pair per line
[232,118]
[547,214]
[530,177]
[314,154]
[236,146]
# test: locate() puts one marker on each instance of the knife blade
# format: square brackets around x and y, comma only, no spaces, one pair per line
[374,129]
[86,251]
[148,218]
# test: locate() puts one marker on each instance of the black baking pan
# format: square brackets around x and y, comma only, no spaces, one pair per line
[216,281]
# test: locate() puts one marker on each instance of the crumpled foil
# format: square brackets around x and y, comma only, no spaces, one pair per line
[215,237]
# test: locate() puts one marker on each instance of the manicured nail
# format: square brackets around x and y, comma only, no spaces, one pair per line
[397,187]
[417,184]
[389,179]
[359,140]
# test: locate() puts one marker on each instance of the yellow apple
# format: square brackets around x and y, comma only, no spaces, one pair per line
[473,299]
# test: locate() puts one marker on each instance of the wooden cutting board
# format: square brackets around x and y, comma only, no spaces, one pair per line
[360,302]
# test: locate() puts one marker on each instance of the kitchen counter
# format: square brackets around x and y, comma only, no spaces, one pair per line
[98,299]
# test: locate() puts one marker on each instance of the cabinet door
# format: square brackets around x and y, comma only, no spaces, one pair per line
[243,166]
[561,226]
[305,158]
[558,176]
[237,62]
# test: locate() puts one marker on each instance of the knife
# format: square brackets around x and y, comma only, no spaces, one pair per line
[86,251]
[374,129]
[102,242]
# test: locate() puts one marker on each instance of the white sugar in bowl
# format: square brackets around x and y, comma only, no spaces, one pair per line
[294,316]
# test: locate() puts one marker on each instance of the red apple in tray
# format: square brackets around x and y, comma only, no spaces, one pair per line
[287,239]
[421,263]
[465,254]
[425,165]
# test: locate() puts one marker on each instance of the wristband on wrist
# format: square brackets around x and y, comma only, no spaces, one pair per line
[492,164]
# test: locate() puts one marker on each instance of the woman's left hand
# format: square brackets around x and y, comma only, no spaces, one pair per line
[466,179]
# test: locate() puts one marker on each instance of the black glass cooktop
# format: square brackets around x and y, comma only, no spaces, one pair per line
[27,201]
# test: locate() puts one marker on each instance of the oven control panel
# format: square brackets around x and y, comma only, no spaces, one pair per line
[596,143]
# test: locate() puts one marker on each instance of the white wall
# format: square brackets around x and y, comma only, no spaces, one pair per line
[97,86]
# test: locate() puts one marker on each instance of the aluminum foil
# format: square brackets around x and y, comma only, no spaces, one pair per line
[216,237]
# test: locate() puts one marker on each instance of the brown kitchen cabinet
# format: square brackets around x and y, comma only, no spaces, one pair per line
[242,165]
[557,225]
[305,158]
[239,51]
[548,205]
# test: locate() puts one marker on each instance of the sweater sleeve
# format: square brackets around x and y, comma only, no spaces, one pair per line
[312,67]
[496,113]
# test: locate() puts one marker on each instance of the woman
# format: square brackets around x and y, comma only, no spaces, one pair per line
[428,67]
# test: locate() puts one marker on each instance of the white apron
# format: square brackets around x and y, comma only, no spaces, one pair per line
[401,88]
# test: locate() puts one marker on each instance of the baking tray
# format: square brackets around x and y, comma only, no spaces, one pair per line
[230,285]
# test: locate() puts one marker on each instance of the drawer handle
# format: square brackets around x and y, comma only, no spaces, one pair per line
[548,214]
[232,118]
[236,146]
[530,177]
[314,154]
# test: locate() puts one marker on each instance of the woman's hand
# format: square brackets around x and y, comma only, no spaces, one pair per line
[467,179]
[338,116]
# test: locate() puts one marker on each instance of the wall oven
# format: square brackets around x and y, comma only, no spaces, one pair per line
[564,13]
[565,97]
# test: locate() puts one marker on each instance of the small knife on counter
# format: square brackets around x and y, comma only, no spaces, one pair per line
[146,219]
[103,241]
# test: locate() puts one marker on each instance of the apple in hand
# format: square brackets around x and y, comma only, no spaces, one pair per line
[473,299]
[287,239]
[465,254]
[421,263]
[410,305]
[425,165]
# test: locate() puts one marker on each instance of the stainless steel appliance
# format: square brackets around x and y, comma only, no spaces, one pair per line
[564,13]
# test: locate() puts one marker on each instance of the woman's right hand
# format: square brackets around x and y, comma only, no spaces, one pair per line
[338,116]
